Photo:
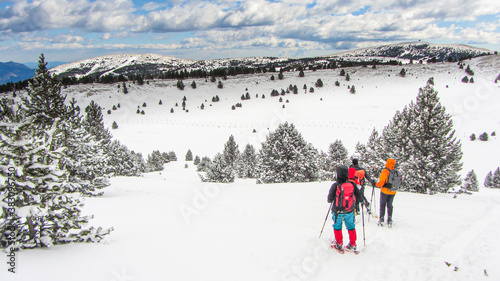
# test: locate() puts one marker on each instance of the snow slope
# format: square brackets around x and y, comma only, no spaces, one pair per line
[328,114]
[171,226]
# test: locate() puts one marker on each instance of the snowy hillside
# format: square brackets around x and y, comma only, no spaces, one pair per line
[416,51]
[329,113]
[171,226]
[153,64]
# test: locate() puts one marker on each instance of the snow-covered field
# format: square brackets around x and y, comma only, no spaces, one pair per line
[171,226]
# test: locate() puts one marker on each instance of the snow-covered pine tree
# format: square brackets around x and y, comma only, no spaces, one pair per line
[155,161]
[40,207]
[421,138]
[470,182]
[337,155]
[496,179]
[203,165]
[324,172]
[94,123]
[488,181]
[172,156]
[247,162]
[189,155]
[196,160]
[374,159]
[84,157]
[219,170]
[286,157]
[43,98]
[231,152]
[123,161]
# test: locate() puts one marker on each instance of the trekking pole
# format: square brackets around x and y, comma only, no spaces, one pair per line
[363,219]
[373,194]
[326,218]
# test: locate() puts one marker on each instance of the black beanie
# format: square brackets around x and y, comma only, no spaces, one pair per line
[355,161]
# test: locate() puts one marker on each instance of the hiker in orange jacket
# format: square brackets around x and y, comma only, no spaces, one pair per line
[386,195]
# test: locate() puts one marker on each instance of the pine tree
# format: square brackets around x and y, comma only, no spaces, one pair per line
[44,99]
[155,161]
[470,182]
[231,152]
[203,165]
[219,170]
[247,162]
[189,155]
[286,157]
[125,90]
[123,162]
[180,85]
[319,83]
[483,136]
[421,138]
[85,158]
[488,181]
[172,156]
[496,179]
[94,123]
[402,73]
[47,208]
[337,155]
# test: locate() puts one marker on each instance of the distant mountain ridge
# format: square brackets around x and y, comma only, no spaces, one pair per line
[127,64]
[417,51]
[14,72]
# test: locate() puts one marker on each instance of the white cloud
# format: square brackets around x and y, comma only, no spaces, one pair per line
[286,26]
[87,15]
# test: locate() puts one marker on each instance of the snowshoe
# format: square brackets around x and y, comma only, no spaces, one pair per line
[337,247]
[380,223]
[352,249]
[389,223]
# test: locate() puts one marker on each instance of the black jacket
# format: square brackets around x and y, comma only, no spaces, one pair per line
[342,176]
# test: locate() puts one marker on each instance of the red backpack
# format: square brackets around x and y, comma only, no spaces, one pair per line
[344,198]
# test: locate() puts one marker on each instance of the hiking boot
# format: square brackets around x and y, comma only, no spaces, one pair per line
[337,247]
[389,222]
[381,222]
[350,247]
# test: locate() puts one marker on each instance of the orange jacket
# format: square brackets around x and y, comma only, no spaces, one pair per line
[384,176]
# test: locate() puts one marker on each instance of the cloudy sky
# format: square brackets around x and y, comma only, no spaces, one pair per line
[70,30]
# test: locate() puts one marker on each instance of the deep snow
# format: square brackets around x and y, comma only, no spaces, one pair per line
[171,226]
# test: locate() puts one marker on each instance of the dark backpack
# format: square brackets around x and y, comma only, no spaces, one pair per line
[394,180]
[344,198]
